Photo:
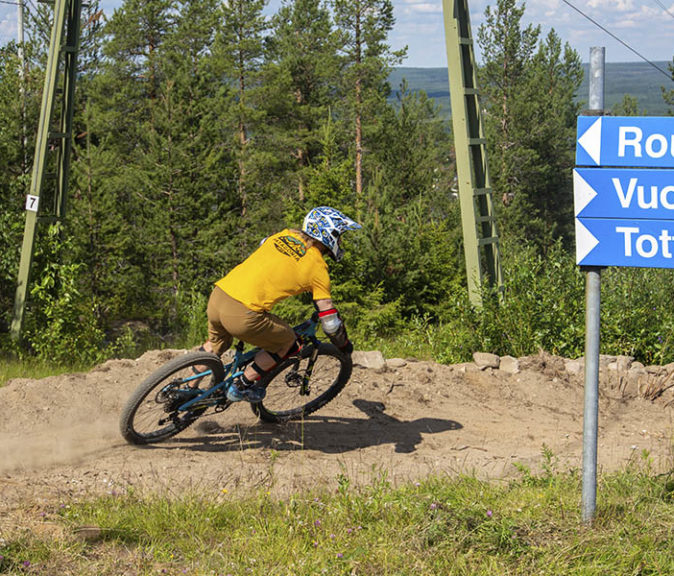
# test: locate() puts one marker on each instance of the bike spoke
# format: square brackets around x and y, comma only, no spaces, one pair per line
[152,413]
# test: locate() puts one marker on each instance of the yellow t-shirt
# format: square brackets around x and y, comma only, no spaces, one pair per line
[281,267]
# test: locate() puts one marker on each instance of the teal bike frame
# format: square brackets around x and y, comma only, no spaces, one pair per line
[215,395]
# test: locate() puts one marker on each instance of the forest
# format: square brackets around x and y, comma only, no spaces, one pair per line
[203,126]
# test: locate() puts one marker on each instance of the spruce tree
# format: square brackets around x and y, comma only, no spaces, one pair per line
[528,87]
[124,108]
[240,53]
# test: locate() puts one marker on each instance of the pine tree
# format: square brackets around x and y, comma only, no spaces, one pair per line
[365,25]
[411,244]
[528,89]
[506,50]
[303,53]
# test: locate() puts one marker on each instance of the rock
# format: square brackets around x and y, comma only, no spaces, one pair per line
[373,360]
[395,363]
[509,364]
[624,363]
[620,364]
[484,360]
[465,367]
[574,366]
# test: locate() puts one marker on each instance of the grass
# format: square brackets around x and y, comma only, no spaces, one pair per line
[465,526]
[32,367]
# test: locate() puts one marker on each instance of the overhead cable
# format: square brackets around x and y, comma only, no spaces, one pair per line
[669,76]
[664,7]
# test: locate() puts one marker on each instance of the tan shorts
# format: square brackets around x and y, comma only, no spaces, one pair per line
[229,319]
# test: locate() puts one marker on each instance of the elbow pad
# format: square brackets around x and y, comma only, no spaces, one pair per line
[330,321]
[334,328]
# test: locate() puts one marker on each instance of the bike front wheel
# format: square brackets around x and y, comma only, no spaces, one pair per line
[285,401]
[151,414]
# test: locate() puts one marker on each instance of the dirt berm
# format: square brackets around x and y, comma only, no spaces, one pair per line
[404,419]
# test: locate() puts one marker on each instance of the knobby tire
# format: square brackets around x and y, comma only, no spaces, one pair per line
[150,415]
[284,402]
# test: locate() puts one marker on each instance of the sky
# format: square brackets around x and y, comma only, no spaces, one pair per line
[646,26]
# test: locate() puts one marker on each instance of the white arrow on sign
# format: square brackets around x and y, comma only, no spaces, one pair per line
[585,242]
[590,141]
[583,193]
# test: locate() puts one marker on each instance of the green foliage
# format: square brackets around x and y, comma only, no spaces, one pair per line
[62,329]
[14,182]
[636,316]
[628,107]
[203,127]
[529,87]
[543,308]
[190,322]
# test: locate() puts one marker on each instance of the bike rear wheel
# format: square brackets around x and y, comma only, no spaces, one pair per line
[151,414]
[284,402]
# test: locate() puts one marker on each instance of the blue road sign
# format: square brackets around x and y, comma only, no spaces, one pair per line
[614,193]
[615,242]
[628,141]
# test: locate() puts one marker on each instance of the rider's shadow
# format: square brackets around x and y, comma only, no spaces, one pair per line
[324,433]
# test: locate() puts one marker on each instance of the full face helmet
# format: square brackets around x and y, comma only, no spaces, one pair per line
[327,225]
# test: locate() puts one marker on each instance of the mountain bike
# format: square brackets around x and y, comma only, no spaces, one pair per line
[164,405]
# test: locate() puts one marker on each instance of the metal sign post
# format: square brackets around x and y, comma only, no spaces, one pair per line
[592,325]
[624,217]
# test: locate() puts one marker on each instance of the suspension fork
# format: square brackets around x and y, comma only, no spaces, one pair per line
[305,389]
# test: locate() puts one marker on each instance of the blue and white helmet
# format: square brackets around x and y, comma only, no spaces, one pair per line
[326,225]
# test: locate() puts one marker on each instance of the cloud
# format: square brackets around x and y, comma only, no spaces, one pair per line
[8,27]
[411,33]
[412,7]
[609,6]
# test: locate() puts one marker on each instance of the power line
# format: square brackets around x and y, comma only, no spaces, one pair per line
[669,77]
[664,7]
[10,3]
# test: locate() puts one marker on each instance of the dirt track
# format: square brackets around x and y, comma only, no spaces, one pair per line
[60,434]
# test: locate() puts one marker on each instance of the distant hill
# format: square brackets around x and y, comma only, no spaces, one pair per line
[638,79]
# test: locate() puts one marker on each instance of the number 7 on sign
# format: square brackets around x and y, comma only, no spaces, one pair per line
[32,202]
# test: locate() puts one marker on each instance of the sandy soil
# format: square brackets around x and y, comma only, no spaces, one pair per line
[60,436]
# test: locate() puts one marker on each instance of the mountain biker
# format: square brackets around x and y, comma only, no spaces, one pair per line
[286,264]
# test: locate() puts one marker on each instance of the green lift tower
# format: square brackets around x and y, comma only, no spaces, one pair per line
[480,231]
[46,201]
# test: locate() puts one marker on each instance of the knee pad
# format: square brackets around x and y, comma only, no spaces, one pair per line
[294,350]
